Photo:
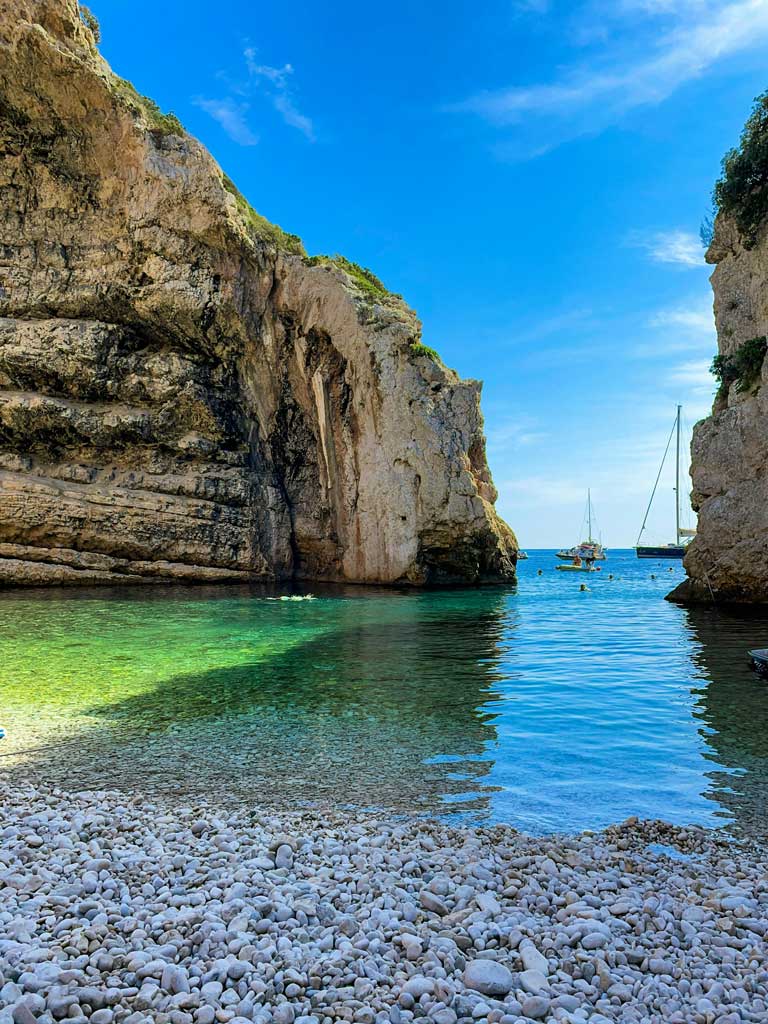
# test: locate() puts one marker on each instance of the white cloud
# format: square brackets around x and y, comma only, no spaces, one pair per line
[695,321]
[512,433]
[232,118]
[693,384]
[679,247]
[654,7]
[692,374]
[285,106]
[278,88]
[645,70]
[689,328]
[542,491]
[278,76]
[232,113]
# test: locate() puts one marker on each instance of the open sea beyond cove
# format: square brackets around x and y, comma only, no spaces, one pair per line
[539,705]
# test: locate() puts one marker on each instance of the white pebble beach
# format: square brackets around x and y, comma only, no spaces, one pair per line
[117,910]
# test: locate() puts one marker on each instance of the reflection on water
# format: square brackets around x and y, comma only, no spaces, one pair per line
[732,708]
[539,705]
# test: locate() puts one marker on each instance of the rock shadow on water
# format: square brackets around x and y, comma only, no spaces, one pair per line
[732,706]
[362,714]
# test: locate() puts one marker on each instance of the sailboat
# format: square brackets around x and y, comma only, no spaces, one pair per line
[676,550]
[589,550]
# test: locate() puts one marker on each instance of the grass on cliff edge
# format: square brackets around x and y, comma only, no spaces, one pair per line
[127,94]
[365,279]
[373,288]
[261,228]
[742,190]
[258,226]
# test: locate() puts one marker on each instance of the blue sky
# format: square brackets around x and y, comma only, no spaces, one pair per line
[530,175]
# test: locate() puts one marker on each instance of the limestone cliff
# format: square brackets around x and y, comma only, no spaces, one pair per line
[183,394]
[728,560]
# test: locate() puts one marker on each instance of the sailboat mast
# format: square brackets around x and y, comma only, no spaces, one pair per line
[589,513]
[677,481]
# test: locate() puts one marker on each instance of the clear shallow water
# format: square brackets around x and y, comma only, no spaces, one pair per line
[539,705]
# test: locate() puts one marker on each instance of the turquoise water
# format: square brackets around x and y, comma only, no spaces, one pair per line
[538,705]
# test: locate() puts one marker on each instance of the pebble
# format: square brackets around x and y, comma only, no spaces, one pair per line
[532,958]
[536,1007]
[533,981]
[488,977]
[121,912]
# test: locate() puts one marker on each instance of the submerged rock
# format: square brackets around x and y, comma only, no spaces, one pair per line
[183,394]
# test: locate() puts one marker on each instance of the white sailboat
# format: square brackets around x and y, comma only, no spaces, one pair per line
[682,534]
[589,550]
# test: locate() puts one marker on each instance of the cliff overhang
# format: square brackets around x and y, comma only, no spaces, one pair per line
[184,394]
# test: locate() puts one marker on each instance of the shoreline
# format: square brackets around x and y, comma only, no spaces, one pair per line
[115,910]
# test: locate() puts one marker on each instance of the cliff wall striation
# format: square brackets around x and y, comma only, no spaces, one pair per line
[728,559]
[183,393]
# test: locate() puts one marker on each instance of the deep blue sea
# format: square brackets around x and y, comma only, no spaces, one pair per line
[539,705]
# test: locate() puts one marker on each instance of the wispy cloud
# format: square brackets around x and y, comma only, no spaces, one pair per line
[678,247]
[278,87]
[694,373]
[695,320]
[686,328]
[513,432]
[231,115]
[643,68]
[693,381]
[233,111]
[562,323]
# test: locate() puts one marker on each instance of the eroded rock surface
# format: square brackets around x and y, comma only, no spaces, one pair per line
[728,560]
[183,395]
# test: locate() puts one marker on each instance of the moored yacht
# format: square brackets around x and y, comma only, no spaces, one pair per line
[589,550]
[683,535]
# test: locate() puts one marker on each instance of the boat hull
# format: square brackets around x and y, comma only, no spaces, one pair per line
[662,551]
[593,551]
[576,568]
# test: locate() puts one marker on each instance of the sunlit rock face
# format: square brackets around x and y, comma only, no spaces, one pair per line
[728,560]
[183,395]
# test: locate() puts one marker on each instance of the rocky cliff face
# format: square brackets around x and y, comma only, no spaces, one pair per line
[183,395]
[728,560]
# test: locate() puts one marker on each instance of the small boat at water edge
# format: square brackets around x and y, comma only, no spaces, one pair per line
[759,659]
[573,567]
[589,549]
[676,550]
[522,555]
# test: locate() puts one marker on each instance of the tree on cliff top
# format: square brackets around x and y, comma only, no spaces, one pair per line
[742,191]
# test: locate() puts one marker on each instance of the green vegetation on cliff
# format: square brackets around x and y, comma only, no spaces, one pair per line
[742,367]
[362,277]
[91,22]
[144,107]
[373,289]
[419,349]
[742,191]
[259,227]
